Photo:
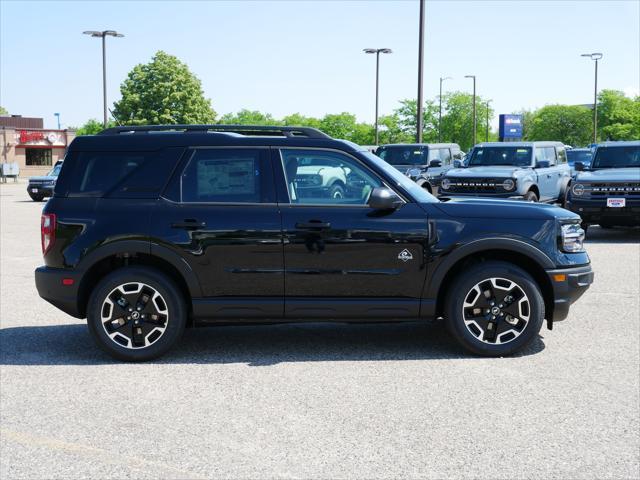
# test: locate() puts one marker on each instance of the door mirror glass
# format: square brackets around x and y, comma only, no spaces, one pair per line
[435,163]
[383,198]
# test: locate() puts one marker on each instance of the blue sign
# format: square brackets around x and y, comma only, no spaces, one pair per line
[510,127]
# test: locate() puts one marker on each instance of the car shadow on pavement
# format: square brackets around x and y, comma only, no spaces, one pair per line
[596,234]
[252,345]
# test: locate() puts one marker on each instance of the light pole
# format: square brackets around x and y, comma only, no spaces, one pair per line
[475,122]
[377,51]
[440,110]
[104,34]
[595,57]
[486,136]
[419,118]
[57,115]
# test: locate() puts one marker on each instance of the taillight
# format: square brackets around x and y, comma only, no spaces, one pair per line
[47,231]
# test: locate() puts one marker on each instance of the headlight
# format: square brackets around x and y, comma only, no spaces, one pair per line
[572,238]
[413,173]
[446,184]
[577,189]
[315,179]
[508,184]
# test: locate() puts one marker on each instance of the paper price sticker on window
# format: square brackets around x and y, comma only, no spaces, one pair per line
[616,202]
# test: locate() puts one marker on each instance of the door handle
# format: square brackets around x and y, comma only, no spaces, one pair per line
[189,224]
[313,225]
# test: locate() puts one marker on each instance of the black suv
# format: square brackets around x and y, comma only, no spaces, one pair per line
[607,192]
[151,229]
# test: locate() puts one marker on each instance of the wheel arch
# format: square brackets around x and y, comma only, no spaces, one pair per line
[523,255]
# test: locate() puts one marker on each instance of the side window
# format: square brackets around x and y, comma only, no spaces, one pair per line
[319,177]
[551,155]
[222,175]
[445,156]
[434,154]
[562,155]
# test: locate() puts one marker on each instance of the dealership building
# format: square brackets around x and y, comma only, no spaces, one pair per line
[24,141]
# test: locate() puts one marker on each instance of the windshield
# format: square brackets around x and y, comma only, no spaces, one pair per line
[417,192]
[55,171]
[515,156]
[617,157]
[403,154]
[574,156]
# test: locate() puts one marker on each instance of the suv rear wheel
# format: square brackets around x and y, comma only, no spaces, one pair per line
[494,309]
[136,314]
[530,196]
[36,198]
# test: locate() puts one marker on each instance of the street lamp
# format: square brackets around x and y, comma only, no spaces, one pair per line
[57,115]
[475,122]
[440,111]
[104,34]
[595,57]
[377,51]
[419,119]
[486,136]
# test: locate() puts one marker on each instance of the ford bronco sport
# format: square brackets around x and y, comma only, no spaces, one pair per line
[151,229]
[531,171]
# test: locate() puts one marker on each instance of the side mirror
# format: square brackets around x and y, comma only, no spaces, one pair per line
[435,163]
[542,164]
[383,198]
[579,166]
[457,164]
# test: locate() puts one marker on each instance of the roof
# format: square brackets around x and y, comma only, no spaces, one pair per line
[629,143]
[521,144]
[154,137]
[430,145]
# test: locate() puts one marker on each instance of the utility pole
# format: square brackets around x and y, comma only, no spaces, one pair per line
[419,119]
[440,110]
[595,57]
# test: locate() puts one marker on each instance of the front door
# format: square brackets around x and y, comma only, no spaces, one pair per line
[221,218]
[342,258]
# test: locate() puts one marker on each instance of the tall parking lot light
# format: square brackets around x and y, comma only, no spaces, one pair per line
[440,109]
[419,119]
[595,57]
[57,115]
[377,51]
[475,120]
[486,136]
[104,34]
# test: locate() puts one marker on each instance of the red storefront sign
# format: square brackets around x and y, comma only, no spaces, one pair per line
[26,137]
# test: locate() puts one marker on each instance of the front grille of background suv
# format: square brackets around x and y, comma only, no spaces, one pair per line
[628,189]
[476,185]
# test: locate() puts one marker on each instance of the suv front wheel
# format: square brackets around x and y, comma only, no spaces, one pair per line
[136,314]
[494,309]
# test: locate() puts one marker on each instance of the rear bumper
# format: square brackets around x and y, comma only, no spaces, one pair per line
[40,190]
[569,284]
[596,211]
[51,288]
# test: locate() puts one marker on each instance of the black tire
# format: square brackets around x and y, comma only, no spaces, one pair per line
[426,185]
[524,331]
[336,191]
[37,198]
[170,297]
[530,196]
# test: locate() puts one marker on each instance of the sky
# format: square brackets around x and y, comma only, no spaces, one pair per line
[283,57]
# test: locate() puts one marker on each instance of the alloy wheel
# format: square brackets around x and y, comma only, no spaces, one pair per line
[496,311]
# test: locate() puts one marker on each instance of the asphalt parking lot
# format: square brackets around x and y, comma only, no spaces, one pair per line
[319,401]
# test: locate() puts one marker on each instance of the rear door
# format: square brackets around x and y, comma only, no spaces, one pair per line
[343,259]
[219,214]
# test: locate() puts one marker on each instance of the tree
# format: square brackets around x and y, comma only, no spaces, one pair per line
[248,117]
[163,91]
[618,116]
[3,111]
[457,119]
[407,115]
[92,127]
[570,124]
[298,120]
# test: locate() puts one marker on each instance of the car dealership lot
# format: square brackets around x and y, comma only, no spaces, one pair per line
[319,401]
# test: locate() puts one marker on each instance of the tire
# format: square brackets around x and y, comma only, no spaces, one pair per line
[530,196]
[37,198]
[507,334]
[426,186]
[112,324]
[336,191]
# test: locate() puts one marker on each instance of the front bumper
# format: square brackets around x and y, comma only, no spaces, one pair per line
[500,196]
[569,284]
[50,286]
[596,211]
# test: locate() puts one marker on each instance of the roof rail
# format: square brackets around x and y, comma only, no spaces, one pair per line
[263,130]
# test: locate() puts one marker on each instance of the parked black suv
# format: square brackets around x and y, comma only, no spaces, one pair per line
[607,192]
[154,228]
